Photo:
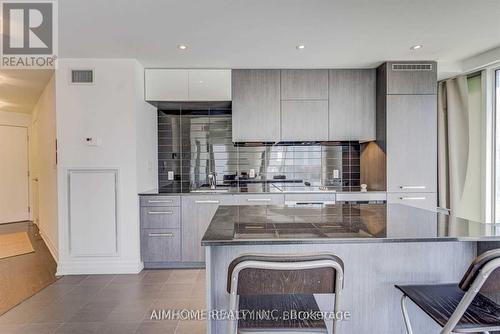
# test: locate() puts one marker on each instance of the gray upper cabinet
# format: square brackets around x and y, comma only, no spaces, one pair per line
[304,120]
[304,84]
[256,105]
[411,143]
[411,77]
[352,111]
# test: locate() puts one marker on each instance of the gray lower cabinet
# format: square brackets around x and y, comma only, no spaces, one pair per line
[304,84]
[160,230]
[426,201]
[256,105]
[304,120]
[160,245]
[352,111]
[411,143]
[160,217]
[259,199]
[197,213]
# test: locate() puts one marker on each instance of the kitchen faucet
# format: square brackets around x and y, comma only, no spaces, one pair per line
[212,180]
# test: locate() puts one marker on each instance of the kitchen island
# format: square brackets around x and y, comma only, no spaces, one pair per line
[380,245]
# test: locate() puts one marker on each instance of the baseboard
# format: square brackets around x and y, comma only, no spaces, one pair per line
[92,268]
[50,245]
[173,265]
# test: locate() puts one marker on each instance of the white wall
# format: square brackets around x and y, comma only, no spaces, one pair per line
[15,118]
[44,167]
[113,110]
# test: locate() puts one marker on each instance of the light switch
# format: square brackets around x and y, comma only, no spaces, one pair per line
[336,174]
[170,175]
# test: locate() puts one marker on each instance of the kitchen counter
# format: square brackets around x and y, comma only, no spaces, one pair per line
[380,245]
[249,189]
[340,223]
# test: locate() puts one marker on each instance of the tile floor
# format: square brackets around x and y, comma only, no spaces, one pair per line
[109,304]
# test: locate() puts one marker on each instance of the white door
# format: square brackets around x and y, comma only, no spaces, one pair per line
[13,174]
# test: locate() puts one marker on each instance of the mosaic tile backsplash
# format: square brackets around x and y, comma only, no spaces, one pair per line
[193,143]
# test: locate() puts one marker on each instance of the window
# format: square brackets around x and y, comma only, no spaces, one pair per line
[497,146]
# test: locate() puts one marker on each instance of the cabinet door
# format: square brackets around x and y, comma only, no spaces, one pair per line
[160,245]
[197,213]
[304,120]
[256,105]
[411,143]
[209,85]
[259,199]
[304,84]
[426,201]
[166,85]
[414,77]
[352,104]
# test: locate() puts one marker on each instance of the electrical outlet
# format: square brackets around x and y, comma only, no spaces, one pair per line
[170,175]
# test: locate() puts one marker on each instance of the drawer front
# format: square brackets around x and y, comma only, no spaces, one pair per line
[308,198]
[361,197]
[160,217]
[160,245]
[426,201]
[260,199]
[160,201]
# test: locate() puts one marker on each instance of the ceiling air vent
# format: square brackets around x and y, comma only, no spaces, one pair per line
[412,67]
[82,76]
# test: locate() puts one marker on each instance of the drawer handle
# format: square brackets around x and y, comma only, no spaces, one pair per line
[168,235]
[412,187]
[207,202]
[160,213]
[160,201]
[258,200]
[412,198]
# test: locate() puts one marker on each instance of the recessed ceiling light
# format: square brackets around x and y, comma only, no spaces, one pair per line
[416,47]
[300,47]
[182,47]
[201,81]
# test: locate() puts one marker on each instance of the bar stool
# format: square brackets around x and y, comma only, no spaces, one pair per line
[460,308]
[282,283]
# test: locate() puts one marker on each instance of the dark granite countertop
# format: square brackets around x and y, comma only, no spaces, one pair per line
[340,223]
[252,188]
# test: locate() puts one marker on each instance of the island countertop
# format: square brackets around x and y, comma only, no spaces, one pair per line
[340,223]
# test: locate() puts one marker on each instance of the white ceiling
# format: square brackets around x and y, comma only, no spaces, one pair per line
[21,89]
[264,33]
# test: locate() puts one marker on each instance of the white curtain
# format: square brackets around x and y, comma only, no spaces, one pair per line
[453,141]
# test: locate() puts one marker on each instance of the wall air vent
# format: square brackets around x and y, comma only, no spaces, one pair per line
[412,67]
[85,77]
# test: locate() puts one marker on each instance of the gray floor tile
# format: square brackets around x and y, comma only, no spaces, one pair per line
[118,328]
[165,327]
[110,304]
[78,328]
[71,279]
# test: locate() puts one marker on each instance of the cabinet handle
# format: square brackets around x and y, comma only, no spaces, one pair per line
[412,198]
[160,201]
[160,213]
[258,200]
[207,202]
[412,187]
[168,235]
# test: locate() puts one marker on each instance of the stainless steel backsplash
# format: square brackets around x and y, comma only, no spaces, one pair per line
[192,143]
